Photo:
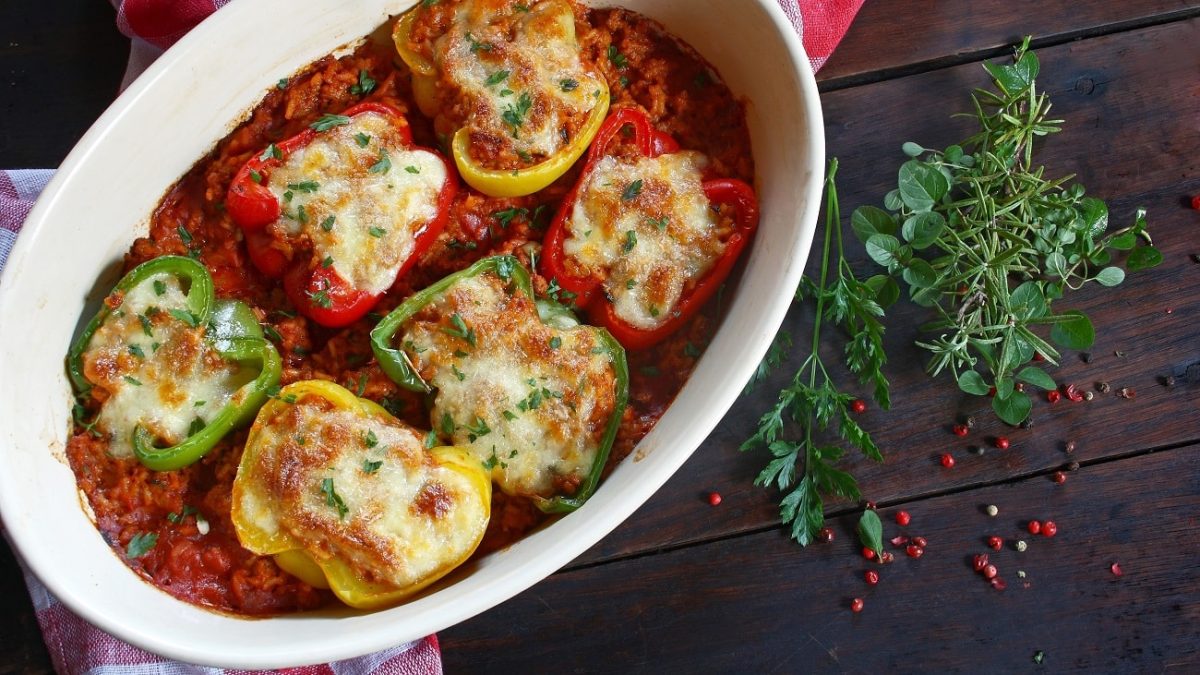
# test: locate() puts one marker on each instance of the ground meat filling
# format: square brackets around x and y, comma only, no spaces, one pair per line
[195,555]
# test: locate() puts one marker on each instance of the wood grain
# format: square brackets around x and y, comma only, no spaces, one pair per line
[1133,142]
[895,37]
[759,604]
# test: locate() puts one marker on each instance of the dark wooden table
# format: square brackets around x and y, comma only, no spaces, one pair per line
[683,586]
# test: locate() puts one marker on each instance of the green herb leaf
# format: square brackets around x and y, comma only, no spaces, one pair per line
[1074,333]
[632,190]
[362,139]
[1143,258]
[185,316]
[327,121]
[1037,377]
[1013,408]
[972,383]
[868,220]
[333,499]
[1110,276]
[496,77]
[870,531]
[327,224]
[272,152]
[371,466]
[140,544]
[383,165]
[365,84]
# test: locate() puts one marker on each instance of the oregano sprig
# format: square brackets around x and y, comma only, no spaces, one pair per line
[804,468]
[987,242]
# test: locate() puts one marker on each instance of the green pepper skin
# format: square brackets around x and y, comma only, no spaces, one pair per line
[396,364]
[199,298]
[233,331]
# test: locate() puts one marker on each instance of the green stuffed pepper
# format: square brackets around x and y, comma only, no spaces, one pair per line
[536,397]
[170,364]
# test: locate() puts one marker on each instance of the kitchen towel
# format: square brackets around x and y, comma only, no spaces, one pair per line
[75,646]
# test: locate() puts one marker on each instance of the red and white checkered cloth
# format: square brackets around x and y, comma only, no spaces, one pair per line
[79,648]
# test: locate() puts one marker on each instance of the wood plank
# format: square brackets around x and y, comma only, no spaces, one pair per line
[1132,141]
[759,604]
[21,647]
[899,36]
[60,70]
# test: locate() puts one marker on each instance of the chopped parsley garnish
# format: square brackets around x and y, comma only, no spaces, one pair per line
[326,122]
[301,214]
[140,544]
[560,294]
[272,334]
[477,429]
[412,347]
[160,287]
[632,191]
[327,224]
[660,223]
[412,169]
[383,165]
[514,113]
[460,329]
[370,439]
[132,380]
[428,3]
[197,426]
[327,262]
[430,440]
[320,297]
[504,268]
[272,152]
[447,425]
[654,311]
[630,241]
[649,371]
[568,85]
[524,156]
[137,351]
[505,217]
[282,83]
[184,235]
[691,350]
[376,232]
[288,195]
[332,498]
[476,45]
[555,342]
[199,404]
[185,316]
[623,81]
[496,77]
[617,58]
[256,176]
[371,467]
[365,84]
[509,415]
[458,373]
[362,139]
[630,283]
[304,186]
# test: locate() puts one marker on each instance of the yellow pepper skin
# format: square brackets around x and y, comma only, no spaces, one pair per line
[493,182]
[322,567]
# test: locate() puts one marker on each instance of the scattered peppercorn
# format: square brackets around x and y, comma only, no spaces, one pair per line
[975,449]
[1116,570]
[914,551]
[1021,545]
[1053,396]
[1073,393]
[948,460]
[1020,386]
[886,557]
[979,562]
[1049,529]
[1039,656]
[870,506]
[970,422]
[1169,381]
[1069,447]
[1001,442]
[995,542]
[1021,575]
[903,518]
[856,605]
[993,510]
[1034,527]
[1103,387]
[714,498]
[1037,356]
[1059,477]
[1119,354]
[1088,395]
[920,542]
[1196,202]
[1196,258]
[872,577]
[1027,423]
[1086,356]
[1073,466]
[868,553]
[990,572]
[858,405]
[960,430]
[1127,392]
[825,535]
[999,584]
[899,541]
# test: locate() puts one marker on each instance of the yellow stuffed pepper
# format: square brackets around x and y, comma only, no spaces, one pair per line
[504,81]
[347,497]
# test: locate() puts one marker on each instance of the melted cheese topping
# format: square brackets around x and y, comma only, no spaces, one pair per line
[520,74]
[156,370]
[647,228]
[531,402]
[380,193]
[407,519]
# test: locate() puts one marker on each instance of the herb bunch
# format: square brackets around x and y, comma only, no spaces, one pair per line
[985,240]
[804,468]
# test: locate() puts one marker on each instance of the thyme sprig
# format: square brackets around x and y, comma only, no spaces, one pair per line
[982,237]
[804,468]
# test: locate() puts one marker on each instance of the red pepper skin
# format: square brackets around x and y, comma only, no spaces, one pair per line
[253,207]
[650,143]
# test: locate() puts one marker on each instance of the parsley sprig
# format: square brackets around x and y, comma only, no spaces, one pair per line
[987,242]
[804,468]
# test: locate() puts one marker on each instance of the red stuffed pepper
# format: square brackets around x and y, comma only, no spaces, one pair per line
[342,209]
[647,235]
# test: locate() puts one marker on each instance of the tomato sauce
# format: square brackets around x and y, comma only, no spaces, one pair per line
[194,553]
